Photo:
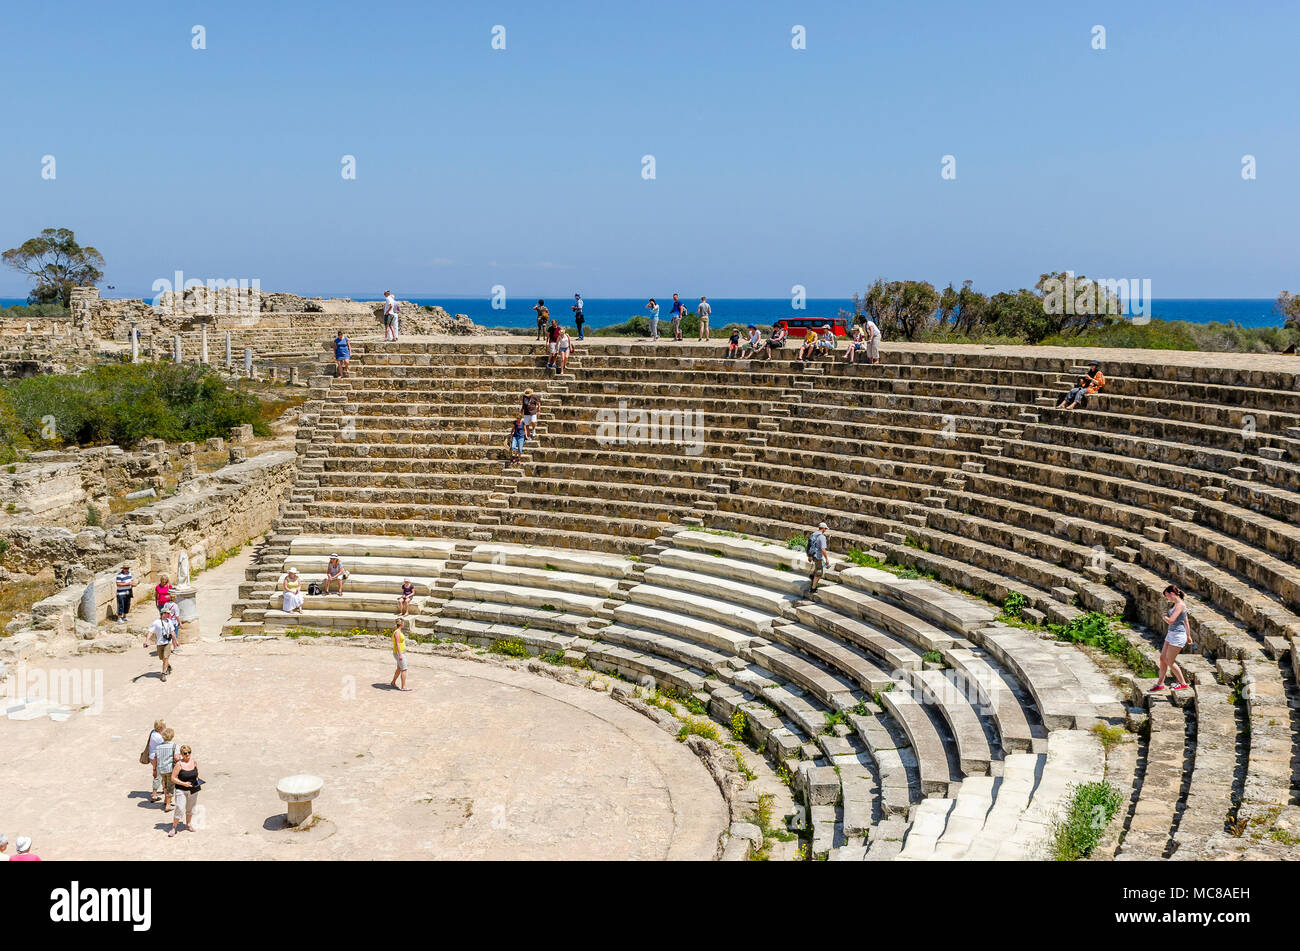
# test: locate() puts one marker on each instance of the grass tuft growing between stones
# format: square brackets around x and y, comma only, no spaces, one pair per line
[1097,630]
[692,726]
[1088,811]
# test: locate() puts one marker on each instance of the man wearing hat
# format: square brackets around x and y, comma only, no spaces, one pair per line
[818,552]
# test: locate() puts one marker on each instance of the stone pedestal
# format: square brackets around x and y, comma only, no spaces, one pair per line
[230,360]
[187,603]
[299,791]
[203,343]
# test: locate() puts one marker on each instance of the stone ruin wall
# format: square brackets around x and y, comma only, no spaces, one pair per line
[211,515]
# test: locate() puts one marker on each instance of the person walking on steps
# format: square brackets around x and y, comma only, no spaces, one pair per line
[819,552]
[553,345]
[518,433]
[1175,639]
[532,408]
[342,354]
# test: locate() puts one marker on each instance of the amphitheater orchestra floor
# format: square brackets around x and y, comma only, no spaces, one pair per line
[474,762]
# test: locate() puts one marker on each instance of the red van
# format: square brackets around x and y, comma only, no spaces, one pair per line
[798,327]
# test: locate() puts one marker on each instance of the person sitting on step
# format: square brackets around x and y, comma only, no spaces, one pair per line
[774,343]
[1088,384]
[809,348]
[334,573]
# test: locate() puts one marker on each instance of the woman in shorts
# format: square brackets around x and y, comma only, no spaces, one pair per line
[532,407]
[399,653]
[565,349]
[518,433]
[1175,639]
[809,348]
[857,346]
[404,599]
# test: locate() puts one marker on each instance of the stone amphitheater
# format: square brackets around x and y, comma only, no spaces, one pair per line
[646,540]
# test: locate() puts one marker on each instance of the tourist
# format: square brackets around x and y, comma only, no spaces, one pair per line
[1175,639]
[578,317]
[163,634]
[147,756]
[733,344]
[826,340]
[390,317]
[565,351]
[25,854]
[532,407]
[818,551]
[1088,384]
[172,615]
[162,593]
[518,433]
[125,589]
[334,573]
[164,758]
[404,599]
[857,345]
[4,847]
[553,345]
[543,315]
[874,337]
[704,310]
[775,341]
[809,348]
[678,311]
[753,344]
[292,599]
[653,307]
[185,779]
[342,353]
[399,653]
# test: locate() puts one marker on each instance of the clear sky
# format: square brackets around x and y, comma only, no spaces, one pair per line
[774,166]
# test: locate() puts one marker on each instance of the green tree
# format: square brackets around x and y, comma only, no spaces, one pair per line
[899,308]
[1288,305]
[57,263]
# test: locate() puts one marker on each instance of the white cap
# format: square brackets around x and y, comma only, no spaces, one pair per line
[24,843]
[822,526]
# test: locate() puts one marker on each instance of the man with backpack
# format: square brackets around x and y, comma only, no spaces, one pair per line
[818,551]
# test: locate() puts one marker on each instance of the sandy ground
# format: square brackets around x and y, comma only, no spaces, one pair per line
[475,762]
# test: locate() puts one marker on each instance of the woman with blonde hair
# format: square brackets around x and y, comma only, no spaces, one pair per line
[147,756]
[185,777]
[292,600]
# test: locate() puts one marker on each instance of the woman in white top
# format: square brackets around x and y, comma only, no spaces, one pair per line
[565,350]
[293,598]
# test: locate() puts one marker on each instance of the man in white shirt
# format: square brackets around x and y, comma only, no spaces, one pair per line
[704,310]
[163,634]
[390,316]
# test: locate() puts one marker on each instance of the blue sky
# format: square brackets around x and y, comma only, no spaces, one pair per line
[774,167]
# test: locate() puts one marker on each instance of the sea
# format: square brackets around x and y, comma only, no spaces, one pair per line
[604,311]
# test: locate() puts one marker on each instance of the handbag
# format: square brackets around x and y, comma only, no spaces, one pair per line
[144,753]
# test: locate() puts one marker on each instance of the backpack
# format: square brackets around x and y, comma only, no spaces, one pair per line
[808,549]
[313,589]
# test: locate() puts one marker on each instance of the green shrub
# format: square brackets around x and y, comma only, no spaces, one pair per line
[1014,604]
[124,403]
[797,543]
[1089,810]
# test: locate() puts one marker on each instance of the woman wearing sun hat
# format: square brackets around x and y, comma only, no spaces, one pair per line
[24,847]
[292,601]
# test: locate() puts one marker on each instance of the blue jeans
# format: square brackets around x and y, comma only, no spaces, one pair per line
[516,444]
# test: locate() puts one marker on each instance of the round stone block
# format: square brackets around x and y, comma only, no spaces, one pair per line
[298,791]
